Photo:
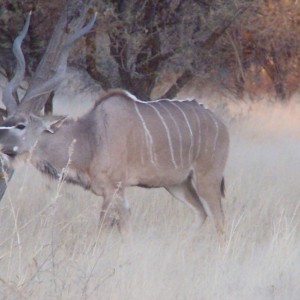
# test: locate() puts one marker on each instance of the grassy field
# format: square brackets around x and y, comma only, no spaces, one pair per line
[50,247]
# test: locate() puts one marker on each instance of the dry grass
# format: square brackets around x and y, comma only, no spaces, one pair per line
[50,247]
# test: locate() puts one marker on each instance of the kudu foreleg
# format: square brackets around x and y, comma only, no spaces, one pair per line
[115,209]
[6,173]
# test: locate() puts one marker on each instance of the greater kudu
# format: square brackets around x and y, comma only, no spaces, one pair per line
[179,145]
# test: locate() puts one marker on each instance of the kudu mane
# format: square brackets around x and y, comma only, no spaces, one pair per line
[126,95]
[114,93]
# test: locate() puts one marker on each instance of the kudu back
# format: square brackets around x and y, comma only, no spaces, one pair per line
[121,142]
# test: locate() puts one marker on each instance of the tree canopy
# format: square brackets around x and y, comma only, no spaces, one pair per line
[239,47]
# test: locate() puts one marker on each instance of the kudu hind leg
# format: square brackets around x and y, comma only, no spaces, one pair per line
[186,194]
[209,191]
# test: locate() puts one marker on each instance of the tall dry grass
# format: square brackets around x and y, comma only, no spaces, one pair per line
[50,247]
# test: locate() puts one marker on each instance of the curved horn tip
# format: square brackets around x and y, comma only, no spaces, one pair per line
[28,17]
[93,20]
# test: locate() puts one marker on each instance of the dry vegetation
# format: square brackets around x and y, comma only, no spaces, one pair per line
[50,247]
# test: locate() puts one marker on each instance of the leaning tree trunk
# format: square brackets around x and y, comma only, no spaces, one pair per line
[72,17]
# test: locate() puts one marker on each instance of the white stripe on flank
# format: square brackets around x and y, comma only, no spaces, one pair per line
[168,134]
[199,129]
[217,129]
[177,128]
[189,126]
[148,137]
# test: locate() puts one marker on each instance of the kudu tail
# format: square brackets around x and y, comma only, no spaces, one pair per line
[223,187]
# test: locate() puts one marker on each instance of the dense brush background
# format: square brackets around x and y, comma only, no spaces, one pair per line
[50,247]
[231,50]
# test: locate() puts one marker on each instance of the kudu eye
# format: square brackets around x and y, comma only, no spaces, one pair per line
[20,126]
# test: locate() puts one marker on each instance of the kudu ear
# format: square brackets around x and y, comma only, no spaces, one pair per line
[54,122]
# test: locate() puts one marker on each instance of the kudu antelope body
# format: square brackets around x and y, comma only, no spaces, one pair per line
[121,142]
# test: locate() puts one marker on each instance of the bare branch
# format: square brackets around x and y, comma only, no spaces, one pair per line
[181,81]
[53,82]
[216,34]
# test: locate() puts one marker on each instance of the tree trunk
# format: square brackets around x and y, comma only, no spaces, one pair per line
[91,65]
[49,104]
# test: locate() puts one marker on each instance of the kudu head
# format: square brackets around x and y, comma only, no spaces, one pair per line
[19,132]
[24,124]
